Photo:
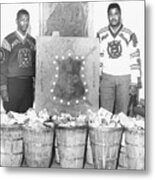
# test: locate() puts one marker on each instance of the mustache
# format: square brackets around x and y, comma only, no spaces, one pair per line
[114,19]
[24,26]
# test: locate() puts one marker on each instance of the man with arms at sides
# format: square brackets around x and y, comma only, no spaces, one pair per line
[120,62]
[18,67]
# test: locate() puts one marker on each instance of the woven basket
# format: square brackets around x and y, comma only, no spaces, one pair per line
[11,146]
[135,150]
[57,158]
[105,144]
[89,155]
[122,154]
[38,146]
[71,146]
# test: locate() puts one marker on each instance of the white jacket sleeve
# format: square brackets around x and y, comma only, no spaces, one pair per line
[135,61]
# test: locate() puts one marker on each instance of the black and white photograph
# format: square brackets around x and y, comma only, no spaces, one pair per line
[72,85]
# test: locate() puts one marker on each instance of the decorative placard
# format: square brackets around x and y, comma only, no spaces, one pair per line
[67,78]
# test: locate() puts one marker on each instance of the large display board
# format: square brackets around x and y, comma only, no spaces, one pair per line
[67,77]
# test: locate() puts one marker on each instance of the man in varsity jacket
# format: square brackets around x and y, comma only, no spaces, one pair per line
[18,67]
[120,62]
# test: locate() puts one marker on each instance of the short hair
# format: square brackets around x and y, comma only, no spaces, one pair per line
[21,12]
[114,5]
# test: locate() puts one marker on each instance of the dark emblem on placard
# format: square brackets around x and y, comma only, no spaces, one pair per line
[114,49]
[2,55]
[69,85]
[24,58]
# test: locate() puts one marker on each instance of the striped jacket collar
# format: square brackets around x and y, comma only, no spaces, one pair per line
[115,33]
[20,36]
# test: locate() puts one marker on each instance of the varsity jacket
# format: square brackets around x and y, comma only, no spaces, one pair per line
[18,57]
[119,53]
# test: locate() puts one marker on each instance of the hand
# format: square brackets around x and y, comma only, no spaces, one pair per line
[4,95]
[133,89]
[100,79]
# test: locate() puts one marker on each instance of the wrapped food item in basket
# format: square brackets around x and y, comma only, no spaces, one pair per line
[102,118]
[137,122]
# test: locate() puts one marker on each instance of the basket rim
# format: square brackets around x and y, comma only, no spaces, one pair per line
[12,126]
[45,129]
[134,130]
[72,127]
[107,129]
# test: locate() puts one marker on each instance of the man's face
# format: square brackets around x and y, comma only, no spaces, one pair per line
[114,17]
[23,22]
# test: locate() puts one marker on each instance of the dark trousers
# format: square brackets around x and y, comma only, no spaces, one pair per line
[21,94]
[115,93]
